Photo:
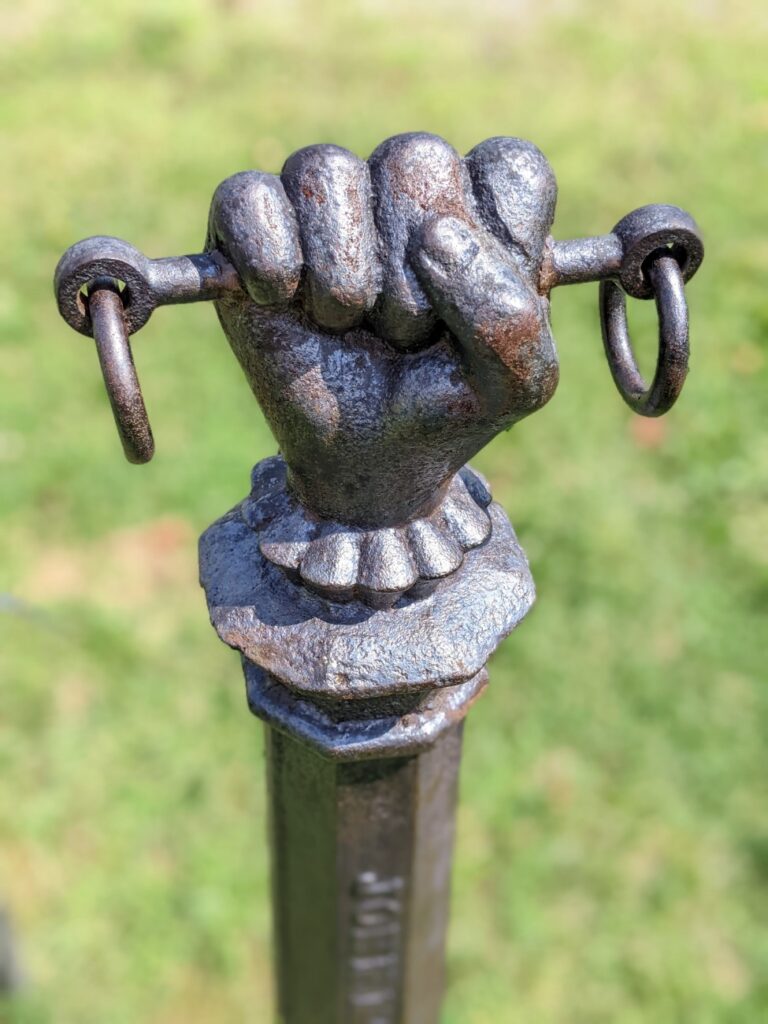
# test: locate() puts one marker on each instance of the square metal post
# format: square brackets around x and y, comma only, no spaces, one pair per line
[361,863]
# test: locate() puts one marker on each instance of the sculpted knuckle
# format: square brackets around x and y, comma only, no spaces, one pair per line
[330,190]
[515,191]
[418,173]
[414,236]
[448,237]
[253,224]
[512,329]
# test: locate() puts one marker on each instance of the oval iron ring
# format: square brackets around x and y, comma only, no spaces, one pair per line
[107,317]
[666,279]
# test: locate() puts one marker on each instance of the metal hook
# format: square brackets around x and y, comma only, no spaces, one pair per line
[106,313]
[666,279]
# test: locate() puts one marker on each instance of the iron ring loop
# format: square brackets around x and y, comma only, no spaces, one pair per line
[107,318]
[645,233]
[666,279]
[97,258]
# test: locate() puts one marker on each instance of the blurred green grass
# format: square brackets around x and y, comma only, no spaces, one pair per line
[612,860]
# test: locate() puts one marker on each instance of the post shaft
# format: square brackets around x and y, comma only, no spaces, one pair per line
[361,859]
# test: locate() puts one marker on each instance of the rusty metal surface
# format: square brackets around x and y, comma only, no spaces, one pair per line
[391,317]
[434,371]
[672,365]
[361,858]
[106,313]
[648,232]
[397,725]
[350,651]
[580,260]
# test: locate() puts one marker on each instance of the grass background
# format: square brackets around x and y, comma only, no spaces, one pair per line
[612,859]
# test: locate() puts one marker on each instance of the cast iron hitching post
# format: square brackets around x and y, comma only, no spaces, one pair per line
[391,317]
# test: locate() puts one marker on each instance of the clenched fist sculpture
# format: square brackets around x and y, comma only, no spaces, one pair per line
[391,325]
[391,317]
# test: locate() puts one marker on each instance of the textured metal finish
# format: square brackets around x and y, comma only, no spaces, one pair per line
[361,858]
[106,313]
[580,260]
[456,347]
[672,367]
[391,317]
[397,725]
[377,566]
[349,651]
[148,283]
[647,232]
[330,273]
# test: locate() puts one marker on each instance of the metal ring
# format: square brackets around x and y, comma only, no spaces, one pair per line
[644,233]
[97,258]
[107,318]
[666,280]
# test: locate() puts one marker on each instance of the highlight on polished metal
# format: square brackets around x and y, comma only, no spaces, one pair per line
[391,317]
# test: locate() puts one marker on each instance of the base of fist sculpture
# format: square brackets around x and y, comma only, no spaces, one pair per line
[381,673]
[375,565]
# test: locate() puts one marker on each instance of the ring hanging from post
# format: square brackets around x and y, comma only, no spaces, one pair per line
[107,289]
[107,318]
[666,279]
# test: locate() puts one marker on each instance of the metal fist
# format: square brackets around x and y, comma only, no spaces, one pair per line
[391,317]
[392,323]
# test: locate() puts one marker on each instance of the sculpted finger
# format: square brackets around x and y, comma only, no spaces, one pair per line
[330,189]
[516,192]
[254,225]
[493,312]
[414,177]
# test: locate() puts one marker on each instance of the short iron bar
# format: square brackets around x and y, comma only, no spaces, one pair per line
[201,277]
[208,276]
[581,260]
[645,238]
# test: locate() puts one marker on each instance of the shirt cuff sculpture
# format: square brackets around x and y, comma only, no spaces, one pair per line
[391,318]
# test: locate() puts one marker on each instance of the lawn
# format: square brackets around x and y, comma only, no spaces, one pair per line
[612,856]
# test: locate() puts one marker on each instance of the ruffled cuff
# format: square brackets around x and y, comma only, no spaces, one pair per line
[377,566]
